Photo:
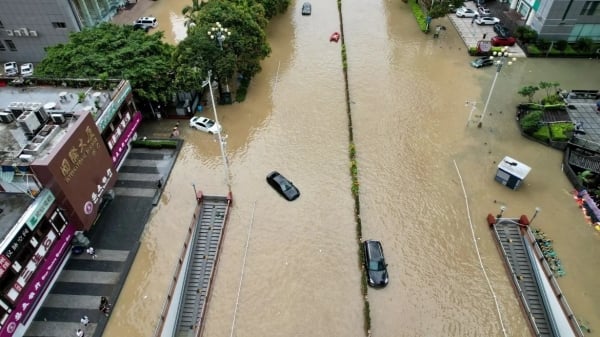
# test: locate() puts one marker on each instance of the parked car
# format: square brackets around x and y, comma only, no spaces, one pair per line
[483,11]
[375,266]
[139,26]
[464,12]
[283,186]
[501,30]
[485,61]
[11,69]
[503,41]
[204,124]
[487,20]
[148,21]
[306,8]
[26,69]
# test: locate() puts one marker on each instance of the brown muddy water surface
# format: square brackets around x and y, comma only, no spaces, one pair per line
[408,93]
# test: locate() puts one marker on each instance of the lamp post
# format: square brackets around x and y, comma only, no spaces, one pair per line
[219,33]
[537,210]
[502,57]
[222,141]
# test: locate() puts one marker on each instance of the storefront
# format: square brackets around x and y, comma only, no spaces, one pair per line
[32,254]
[118,124]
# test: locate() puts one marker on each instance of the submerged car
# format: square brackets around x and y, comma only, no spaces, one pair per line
[503,41]
[464,12]
[26,69]
[501,30]
[283,186]
[483,10]
[485,61]
[306,8]
[487,20]
[375,266]
[204,124]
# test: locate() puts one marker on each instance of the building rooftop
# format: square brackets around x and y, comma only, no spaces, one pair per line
[33,119]
[13,205]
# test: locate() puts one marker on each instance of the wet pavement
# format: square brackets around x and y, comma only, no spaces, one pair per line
[116,238]
[472,33]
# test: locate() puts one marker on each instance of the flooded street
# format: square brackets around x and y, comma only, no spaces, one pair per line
[408,91]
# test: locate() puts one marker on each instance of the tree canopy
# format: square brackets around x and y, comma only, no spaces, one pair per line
[114,51]
[241,51]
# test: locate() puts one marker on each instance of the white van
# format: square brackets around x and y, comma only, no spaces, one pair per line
[11,69]
[146,21]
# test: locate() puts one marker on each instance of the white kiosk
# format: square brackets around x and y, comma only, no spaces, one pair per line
[511,172]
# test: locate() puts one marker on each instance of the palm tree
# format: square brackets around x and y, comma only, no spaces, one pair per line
[188,12]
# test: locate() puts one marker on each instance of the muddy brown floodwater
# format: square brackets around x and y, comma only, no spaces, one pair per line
[408,93]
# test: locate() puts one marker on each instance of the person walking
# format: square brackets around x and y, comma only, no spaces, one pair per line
[80,333]
[91,251]
[104,306]
[85,320]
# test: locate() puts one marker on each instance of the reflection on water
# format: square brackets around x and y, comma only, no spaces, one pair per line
[408,94]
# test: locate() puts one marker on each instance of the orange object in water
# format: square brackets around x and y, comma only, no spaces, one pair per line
[335,37]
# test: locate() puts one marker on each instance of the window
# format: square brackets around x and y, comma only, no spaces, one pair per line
[590,8]
[59,25]
[2,46]
[11,45]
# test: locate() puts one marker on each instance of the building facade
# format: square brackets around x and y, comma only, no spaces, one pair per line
[31,254]
[561,19]
[29,26]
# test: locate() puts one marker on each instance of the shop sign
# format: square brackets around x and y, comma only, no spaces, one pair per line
[16,243]
[121,144]
[113,107]
[85,147]
[37,285]
[38,208]
[96,195]
[5,263]
[32,265]
[119,131]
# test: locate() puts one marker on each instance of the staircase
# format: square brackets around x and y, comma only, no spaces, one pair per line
[201,266]
[516,253]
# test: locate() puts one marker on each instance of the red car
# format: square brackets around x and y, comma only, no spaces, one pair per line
[503,41]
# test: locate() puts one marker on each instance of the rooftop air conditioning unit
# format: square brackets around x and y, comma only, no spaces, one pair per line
[16,108]
[29,122]
[24,31]
[26,158]
[17,32]
[58,118]
[33,33]
[9,32]
[6,117]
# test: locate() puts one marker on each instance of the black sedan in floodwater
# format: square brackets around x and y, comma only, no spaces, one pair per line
[282,185]
[375,266]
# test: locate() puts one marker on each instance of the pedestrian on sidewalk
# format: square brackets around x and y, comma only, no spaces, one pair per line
[80,333]
[85,320]
[474,18]
[104,306]
[91,251]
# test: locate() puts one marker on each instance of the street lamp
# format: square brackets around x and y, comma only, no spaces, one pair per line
[222,141]
[537,210]
[502,57]
[218,33]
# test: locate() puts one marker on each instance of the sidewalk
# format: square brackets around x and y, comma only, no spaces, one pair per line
[115,236]
[471,33]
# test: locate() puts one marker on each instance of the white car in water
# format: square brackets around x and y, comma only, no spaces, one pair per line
[464,12]
[487,20]
[26,69]
[204,124]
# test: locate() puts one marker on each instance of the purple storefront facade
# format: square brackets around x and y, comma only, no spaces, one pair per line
[45,231]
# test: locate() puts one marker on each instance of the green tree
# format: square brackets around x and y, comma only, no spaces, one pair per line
[584,44]
[241,51]
[113,51]
[273,7]
[528,91]
[189,11]
[561,45]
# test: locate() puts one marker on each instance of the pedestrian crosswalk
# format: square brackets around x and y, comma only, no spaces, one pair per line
[77,292]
